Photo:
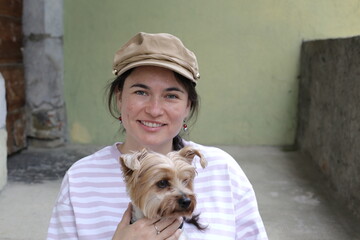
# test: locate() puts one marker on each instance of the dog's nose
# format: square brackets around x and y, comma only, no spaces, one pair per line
[184,202]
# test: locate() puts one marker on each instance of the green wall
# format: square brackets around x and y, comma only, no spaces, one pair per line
[248,53]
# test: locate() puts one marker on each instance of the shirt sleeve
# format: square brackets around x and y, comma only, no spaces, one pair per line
[62,223]
[249,225]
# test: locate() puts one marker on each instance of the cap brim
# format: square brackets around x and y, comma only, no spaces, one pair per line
[153,62]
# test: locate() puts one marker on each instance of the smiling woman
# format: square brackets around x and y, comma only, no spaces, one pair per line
[153,94]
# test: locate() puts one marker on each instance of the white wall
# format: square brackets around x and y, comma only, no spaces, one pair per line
[3,134]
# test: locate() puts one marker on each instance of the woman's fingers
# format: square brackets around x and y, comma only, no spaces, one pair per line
[127,215]
[175,236]
[163,223]
[168,227]
[123,223]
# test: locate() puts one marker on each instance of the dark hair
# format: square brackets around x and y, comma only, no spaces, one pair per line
[118,85]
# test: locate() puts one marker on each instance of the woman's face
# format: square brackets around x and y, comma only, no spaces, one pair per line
[153,106]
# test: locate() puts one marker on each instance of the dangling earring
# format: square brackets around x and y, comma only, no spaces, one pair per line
[185,127]
[120,119]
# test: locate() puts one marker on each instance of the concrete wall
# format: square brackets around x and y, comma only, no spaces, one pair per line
[329,112]
[248,53]
[43,60]
[3,134]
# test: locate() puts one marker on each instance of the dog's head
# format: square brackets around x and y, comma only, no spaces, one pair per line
[162,185]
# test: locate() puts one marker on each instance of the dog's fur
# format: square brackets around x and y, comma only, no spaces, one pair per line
[161,186]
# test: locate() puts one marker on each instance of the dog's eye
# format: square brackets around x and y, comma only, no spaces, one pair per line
[163,184]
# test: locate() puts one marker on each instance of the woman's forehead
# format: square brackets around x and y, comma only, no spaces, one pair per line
[151,77]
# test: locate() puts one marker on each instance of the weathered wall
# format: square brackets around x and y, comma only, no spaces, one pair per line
[329,112]
[43,60]
[12,69]
[248,54]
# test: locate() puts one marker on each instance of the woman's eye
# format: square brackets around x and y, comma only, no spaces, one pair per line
[163,184]
[141,93]
[172,96]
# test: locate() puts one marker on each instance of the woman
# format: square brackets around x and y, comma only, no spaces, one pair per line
[154,97]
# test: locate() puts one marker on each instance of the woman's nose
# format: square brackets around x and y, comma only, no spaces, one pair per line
[155,107]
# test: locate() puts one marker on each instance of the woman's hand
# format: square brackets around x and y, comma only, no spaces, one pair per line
[147,229]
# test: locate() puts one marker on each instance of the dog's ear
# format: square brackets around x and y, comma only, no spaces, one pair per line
[189,153]
[131,161]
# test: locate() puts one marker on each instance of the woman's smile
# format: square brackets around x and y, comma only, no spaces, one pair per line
[151,124]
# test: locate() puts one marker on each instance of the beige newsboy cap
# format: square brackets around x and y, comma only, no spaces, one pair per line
[160,49]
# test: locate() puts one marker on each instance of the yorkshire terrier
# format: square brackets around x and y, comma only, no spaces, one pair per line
[160,185]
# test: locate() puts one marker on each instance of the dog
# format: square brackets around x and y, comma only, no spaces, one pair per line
[160,185]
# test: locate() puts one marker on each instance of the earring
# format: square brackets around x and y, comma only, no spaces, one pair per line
[120,119]
[185,127]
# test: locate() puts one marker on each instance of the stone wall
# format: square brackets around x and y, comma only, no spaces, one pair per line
[329,113]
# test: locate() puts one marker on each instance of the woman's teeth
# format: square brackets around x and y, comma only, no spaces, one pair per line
[152,125]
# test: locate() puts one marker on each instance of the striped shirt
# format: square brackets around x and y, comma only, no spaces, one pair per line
[93,199]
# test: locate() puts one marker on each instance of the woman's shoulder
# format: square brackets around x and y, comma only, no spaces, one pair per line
[215,156]
[107,155]
[221,168]
[208,151]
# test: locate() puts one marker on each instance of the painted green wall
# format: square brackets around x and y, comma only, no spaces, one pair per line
[248,53]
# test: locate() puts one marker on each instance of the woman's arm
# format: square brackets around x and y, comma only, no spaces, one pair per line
[62,224]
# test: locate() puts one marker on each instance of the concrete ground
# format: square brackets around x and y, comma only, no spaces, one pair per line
[292,195]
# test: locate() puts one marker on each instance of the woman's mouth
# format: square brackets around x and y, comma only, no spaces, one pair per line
[151,124]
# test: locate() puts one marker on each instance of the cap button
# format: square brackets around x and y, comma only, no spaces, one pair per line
[115,71]
[197,75]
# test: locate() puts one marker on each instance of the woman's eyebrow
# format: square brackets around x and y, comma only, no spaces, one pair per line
[139,85]
[174,89]
[170,89]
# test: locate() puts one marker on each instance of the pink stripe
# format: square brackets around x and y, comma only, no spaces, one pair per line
[255,231]
[90,194]
[65,213]
[62,236]
[105,235]
[92,226]
[97,166]
[214,167]
[96,204]
[224,189]
[222,177]
[96,175]
[220,232]
[210,199]
[113,184]
[101,214]
[245,202]
[62,224]
[216,210]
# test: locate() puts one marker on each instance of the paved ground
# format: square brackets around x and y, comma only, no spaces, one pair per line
[292,198]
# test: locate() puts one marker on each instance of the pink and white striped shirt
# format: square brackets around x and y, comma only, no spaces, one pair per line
[93,199]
